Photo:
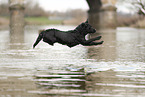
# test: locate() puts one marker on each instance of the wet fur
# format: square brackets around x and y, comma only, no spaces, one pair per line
[70,38]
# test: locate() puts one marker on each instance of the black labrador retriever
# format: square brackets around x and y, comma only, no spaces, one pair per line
[70,38]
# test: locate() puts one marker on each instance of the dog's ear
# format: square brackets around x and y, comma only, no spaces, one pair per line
[87,21]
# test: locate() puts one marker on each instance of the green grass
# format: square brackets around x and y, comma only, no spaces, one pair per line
[41,21]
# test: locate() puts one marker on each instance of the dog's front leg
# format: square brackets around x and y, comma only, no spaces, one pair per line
[93,39]
[89,42]
[93,43]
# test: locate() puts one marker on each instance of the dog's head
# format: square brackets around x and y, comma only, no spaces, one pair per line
[85,28]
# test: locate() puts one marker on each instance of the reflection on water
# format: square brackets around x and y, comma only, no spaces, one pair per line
[108,50]
[116,68]
[64,83]
[16,40]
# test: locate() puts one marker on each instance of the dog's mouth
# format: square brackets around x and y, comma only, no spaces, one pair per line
[93,31]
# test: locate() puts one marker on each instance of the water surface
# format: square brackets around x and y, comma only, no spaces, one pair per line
[114,69]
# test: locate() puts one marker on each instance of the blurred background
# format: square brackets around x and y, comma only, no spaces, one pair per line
[42,12]
[114,69]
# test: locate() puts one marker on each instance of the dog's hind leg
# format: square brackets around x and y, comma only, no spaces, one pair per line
[50,41]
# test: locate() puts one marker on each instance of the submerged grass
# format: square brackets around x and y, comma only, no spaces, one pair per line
[41,21]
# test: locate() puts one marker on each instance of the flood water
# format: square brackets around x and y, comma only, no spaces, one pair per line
[114,69]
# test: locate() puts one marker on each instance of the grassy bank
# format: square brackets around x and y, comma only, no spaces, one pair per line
[41,21]
[137,23]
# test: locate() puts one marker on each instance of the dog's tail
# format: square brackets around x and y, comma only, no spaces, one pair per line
[39,38]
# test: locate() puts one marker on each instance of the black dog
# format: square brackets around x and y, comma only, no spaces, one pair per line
[70,38]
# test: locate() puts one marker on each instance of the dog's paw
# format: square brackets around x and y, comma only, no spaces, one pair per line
[101,42]
[98,38]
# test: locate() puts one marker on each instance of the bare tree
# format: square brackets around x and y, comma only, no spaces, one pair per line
[141,5]
[138,5]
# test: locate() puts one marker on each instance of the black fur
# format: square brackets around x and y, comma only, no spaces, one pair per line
[70,38]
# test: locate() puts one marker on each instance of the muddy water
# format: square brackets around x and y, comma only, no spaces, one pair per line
[114,69]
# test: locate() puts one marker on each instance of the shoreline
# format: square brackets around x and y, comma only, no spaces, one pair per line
[4,22]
